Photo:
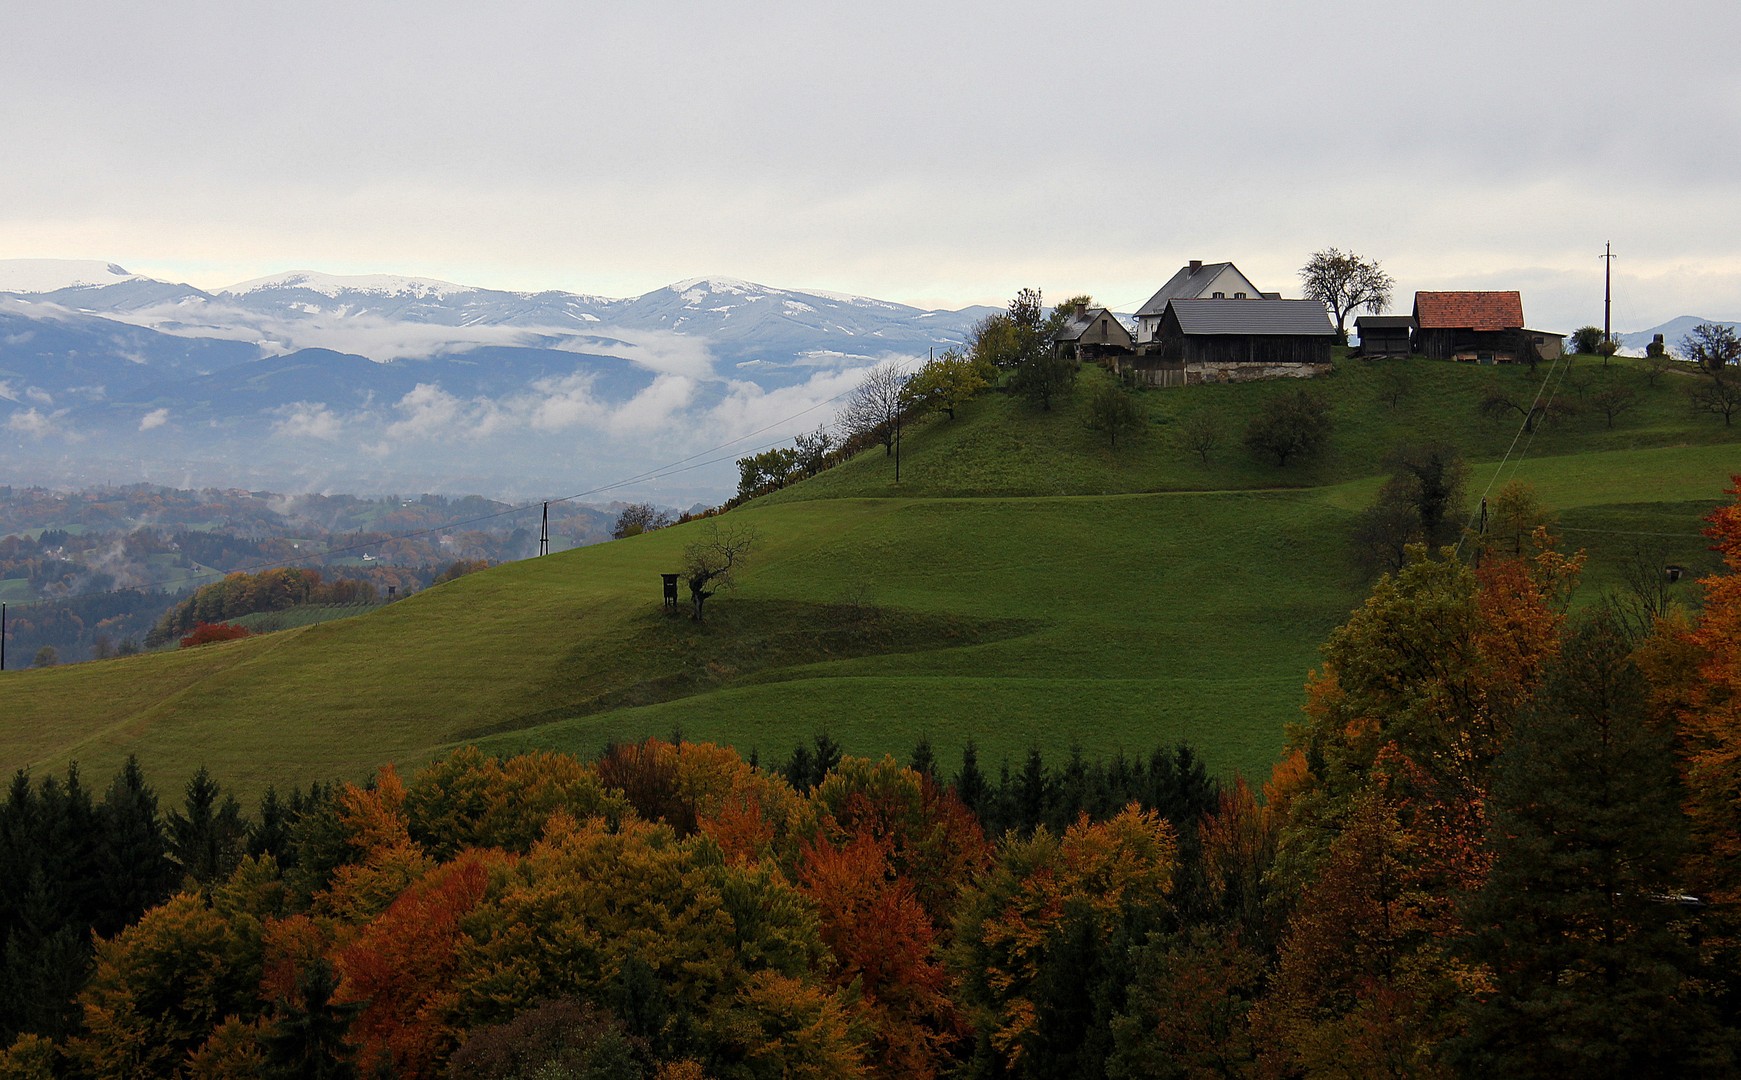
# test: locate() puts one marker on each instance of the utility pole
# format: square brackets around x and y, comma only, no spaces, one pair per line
[544,533]
[2,637]
[1607,293]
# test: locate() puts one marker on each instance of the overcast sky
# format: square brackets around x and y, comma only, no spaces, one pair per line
[936,154]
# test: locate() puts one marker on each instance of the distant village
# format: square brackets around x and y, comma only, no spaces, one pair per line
[1211,323]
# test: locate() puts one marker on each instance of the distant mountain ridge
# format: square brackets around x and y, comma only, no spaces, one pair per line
[1672,332]
[109,375]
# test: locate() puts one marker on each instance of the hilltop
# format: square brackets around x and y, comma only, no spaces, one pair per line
[1023,585]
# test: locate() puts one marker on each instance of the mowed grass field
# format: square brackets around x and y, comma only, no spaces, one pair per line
[1024,586]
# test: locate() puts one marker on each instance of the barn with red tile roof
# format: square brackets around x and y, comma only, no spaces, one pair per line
[1484,326]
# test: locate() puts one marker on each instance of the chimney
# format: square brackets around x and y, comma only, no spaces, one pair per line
[1196,265]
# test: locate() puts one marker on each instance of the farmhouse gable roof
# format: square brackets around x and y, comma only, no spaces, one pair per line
[1190,282]
[1082,322]
[1469,310]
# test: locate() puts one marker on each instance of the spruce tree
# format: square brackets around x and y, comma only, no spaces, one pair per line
[924,760]
[208,840]
[1577,922]
[134,871]
[970,786]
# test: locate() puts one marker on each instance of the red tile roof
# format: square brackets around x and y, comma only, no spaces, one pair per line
[1468,310]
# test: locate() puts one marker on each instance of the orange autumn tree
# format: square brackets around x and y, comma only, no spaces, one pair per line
[399,968]
[1360,974]
[884,947]
[1035,924]
[933,841]
[884,853]
[1710,721]
[384,859]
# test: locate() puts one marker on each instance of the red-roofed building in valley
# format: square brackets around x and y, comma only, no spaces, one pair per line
[1481,326]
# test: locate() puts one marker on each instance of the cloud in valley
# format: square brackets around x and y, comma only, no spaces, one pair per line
[308,420]
[36,424]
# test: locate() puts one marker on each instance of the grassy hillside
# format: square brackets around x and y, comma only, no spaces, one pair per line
[1025,586]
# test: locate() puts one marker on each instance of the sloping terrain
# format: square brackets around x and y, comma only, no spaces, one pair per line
[1024,585]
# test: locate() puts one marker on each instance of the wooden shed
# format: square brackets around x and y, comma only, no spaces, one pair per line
[1384,335]
[1486,327]
[1093,334]
[1252,331]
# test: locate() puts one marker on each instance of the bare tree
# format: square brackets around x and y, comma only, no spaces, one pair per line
[1344,282]
[1201,433]
[1498,402]
[1614,399]
[1655,367]
[1644,595]
[1393,384]
[1712,346]
[711,562]
[874,406]
[1717,395]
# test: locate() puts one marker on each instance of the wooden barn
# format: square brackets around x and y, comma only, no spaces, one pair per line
[1484,327]
[1197,333]
[1092,335]
[1384,335]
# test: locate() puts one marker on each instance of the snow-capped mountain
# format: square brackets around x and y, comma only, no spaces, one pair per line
[52,275]
[383,381]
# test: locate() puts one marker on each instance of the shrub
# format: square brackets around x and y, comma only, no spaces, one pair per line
[206,632]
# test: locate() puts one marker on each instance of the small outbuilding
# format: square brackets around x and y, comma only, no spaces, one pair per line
[1384,335]
[1548,345]
[1484,327]
[1092,335]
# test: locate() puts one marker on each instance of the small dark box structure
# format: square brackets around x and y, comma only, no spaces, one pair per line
[1384,335]
[670,589]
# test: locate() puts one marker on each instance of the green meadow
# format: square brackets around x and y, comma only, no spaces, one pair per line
[1023,585]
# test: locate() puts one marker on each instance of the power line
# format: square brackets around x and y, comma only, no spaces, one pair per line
[1521,428]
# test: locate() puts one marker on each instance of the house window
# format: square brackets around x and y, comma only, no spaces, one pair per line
[1220,296]
[1239,296]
